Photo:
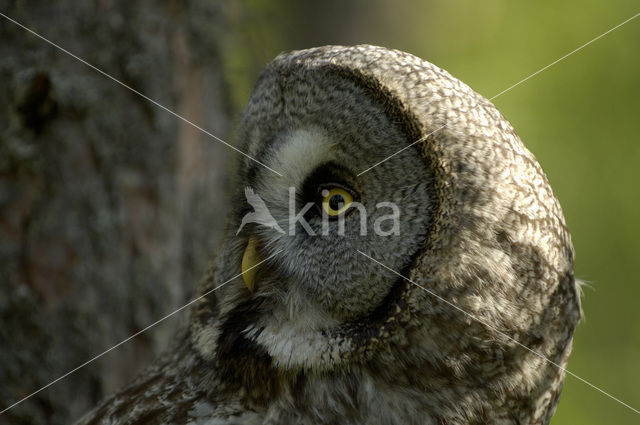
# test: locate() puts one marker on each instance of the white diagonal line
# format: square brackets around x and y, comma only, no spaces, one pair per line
[136,334]
[423,138]
[493,328]
[510,88]
[138,93]
[565,56]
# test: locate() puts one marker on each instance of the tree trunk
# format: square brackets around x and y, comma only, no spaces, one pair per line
[109,205]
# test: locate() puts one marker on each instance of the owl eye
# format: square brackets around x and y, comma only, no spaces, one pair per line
[336,200]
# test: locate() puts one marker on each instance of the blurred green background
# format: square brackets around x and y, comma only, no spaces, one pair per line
[580,118]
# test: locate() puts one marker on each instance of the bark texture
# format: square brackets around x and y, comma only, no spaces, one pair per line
[109,206]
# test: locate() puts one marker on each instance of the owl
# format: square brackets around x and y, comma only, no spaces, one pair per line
[394,255]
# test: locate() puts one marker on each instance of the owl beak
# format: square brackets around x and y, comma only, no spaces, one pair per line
[250,258]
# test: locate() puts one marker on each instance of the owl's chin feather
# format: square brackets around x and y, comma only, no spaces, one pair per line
[298,333]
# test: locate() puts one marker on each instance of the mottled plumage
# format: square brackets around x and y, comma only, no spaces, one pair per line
[329,336]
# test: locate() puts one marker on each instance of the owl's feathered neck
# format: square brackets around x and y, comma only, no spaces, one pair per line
[439,364]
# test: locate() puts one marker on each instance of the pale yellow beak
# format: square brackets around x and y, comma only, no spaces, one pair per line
[249,261]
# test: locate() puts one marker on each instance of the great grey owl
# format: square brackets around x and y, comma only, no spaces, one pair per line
[475,327]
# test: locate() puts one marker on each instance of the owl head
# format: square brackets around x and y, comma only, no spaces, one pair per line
[413,245]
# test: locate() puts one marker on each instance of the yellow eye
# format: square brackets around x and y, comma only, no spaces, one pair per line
[335,201]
